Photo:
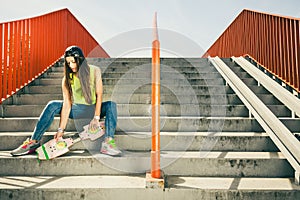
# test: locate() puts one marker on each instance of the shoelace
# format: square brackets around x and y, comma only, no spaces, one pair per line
[26,142]
[112,143]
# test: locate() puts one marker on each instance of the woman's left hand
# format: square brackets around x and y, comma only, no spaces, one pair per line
[94,124]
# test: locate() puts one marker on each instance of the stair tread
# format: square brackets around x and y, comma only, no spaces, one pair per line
[84,154]
[163,117]
[233,134]
[138,181]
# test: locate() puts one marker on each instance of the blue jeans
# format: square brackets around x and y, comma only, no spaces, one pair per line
[82,113]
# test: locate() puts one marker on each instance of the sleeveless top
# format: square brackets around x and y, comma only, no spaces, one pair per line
[78,97]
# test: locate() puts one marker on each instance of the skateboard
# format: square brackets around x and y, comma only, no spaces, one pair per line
[54,148]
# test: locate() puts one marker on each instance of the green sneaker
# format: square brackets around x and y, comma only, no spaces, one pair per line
[110,148]
[27,147]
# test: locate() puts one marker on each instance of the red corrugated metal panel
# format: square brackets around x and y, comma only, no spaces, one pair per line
[272,40]
[31,46]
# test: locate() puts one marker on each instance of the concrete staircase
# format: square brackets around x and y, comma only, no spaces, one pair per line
[211,147]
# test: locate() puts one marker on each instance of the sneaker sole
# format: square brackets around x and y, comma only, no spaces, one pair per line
[106,153]
[25,153]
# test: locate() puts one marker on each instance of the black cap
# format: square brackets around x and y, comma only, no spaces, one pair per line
[74,51]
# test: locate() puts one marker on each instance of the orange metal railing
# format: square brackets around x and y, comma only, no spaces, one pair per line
[271,40]
[28,47]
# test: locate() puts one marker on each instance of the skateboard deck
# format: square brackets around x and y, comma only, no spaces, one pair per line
[54,148]
[92,135]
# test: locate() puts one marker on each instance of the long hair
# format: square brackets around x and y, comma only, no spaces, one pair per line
[83,72]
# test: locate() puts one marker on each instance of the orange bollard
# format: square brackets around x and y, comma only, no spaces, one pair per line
[155,151]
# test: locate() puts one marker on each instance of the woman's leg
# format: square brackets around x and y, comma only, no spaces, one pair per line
[53,108]
[82,115]
[109,110]
[46,118]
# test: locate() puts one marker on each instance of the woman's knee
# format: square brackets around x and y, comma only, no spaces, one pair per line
[54,105]
[111,104]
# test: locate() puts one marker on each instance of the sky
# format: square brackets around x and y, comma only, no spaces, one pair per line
[123,27]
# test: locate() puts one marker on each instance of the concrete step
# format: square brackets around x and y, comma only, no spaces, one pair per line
[185,95]
[164,74]
[142,110]
[143,81]
[140,59]
[146,68]
[125,67]
[242,74]
[146,88]
[125,61]
[194,163]
[141,141]
[132,98]
[129,124]
[118,73]
[145,110]
[115,187]
[141,89]
[266,97]
[187,124]
[139,79]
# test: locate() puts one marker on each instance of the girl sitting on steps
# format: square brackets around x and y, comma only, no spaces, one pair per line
[82,98]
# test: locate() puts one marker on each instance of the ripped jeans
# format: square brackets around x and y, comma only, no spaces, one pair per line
[82,115]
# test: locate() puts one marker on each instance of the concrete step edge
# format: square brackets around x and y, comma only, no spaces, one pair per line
[138,181]
[141,141]
[192,163]
[230,155]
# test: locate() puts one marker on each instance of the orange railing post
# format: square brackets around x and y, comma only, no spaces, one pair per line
[155,151]
[1,64]
[271,40]
[4,61]
[29,47]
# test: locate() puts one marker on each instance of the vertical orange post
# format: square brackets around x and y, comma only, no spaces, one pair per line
[5,74]
[1,64]
[11,64]
[17,74]
[155,151]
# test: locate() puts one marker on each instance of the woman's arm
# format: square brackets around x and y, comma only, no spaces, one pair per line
[65,111]
[94,124]
[98,90]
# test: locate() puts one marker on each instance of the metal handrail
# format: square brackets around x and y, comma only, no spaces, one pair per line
[278,132]
[287,98]
[30,46]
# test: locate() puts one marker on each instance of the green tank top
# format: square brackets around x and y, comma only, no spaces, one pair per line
[78,97]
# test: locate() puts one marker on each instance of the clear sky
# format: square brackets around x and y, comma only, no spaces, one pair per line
[200,22]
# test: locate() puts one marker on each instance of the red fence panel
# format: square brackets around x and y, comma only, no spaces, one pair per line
[271,40]
[29,47]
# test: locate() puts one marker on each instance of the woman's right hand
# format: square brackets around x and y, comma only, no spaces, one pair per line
[58,135]
[94,124]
